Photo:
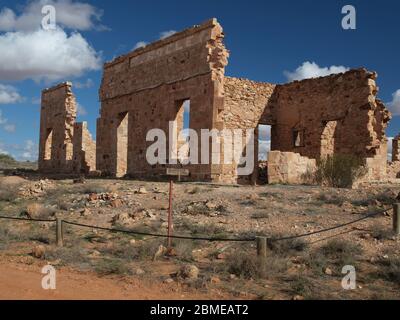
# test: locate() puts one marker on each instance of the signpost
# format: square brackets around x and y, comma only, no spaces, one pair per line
[177,172]
[173,172]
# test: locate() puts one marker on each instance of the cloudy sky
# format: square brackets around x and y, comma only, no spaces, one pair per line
[272,41]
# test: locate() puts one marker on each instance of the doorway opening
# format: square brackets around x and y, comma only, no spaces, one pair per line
[122,145]
[264,146]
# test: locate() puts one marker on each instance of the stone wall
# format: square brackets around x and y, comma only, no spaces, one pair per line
[245,107]
[57,119]
[289,168]
[335,114]
[84,160]
[64,145]
[148,87]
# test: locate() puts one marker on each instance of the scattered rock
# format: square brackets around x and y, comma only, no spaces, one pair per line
[39,252]
[95,254]
[168,280]
[298,297]
[215,280]
[189,272]
[328,271]
[139,272]
[116,203]
[221,256]
[142,190]
[85,212]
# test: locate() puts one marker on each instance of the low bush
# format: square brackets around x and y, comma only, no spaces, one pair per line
[339,170]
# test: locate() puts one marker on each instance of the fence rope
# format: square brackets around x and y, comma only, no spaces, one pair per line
[161,235]
[26,219]
[203,238]
[331,228]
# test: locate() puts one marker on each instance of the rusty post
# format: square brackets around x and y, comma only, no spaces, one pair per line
[170,215]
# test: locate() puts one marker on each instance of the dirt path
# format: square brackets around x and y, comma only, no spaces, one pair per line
[23,282]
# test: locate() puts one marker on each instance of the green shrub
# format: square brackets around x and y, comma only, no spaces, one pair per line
[248,265]
[341,251]
[339,171]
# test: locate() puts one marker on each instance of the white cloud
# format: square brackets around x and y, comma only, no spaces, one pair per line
[28,151]
[36,100]
[81,111]
[166,34]
[312,70]
[84,85]
[9,128]
[72,15]
[162,35]
[263,148]
[264,132]
[5,125]
[45,55]
[140,44]
[9,94]
[394,105]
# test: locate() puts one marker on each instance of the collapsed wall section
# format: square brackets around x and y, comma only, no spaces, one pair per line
[147,89]
[245,107]
[84,160]
[57,118]
[337,114]
[289,167]
[64,145]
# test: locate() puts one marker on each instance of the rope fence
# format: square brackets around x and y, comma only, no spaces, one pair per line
[261,241]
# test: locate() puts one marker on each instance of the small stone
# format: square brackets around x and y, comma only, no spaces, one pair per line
[298,297]
[328,271]
[39,252]
[132,241]
[86,212]
[116,203]
[232,276]
[215,280]
[142,190]
[94,254]
[139,271]
[221,256]
[169,280]
[189,272]
[93,197]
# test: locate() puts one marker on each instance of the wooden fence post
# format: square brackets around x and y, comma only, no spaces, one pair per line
[59,232]
[262,248]
[396,218]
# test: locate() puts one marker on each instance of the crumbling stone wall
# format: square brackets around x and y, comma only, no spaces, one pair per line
[334,114]
[149,86]
[84,160]
[64,145]
[57,118]
[289,167]
[314,117]
[245,107]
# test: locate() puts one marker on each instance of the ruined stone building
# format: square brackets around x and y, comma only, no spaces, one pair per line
[149,87]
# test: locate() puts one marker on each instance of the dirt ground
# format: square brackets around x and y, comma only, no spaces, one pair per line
[136,267]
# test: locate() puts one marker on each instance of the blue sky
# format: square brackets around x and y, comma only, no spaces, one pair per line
[267,41]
